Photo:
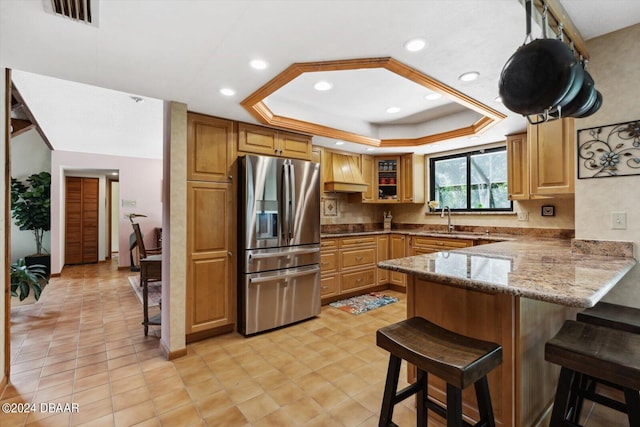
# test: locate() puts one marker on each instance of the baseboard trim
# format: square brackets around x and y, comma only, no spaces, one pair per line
[171,355]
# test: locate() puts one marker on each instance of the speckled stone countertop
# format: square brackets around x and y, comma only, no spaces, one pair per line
[452,235]
[540,269]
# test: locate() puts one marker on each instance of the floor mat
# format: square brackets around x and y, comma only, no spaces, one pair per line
[363,303]
[155,290]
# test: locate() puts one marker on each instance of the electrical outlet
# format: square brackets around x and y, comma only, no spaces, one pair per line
[618,220]
[523,216]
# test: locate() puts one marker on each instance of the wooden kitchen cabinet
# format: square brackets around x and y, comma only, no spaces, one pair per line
[397,250]
[211,266]
[541,163]
[383,255]
[412,179]
[387,176]
[273,142]
[427,244]
[357,263]
[210,148]
[329,268]
[552,157]
[517,167]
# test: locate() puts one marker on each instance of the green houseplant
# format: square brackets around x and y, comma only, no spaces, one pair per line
[31,208]
[25,278]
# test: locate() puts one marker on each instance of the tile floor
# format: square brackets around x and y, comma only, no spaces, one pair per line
[83,343]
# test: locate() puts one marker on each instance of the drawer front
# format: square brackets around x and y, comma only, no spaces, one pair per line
[328,261]
[357,257]
[329,285]
[422,251]
[357,280]
[436,242]
[328,243]
[358,241]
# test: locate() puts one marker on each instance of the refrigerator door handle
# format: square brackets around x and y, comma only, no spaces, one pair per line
[292,201]
[272,278]
[284,193]
[279,254]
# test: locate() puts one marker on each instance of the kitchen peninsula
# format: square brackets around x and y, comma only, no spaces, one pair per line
[516,293]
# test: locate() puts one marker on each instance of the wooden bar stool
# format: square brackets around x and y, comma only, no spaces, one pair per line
[611,316]
[609,356]
[457,359]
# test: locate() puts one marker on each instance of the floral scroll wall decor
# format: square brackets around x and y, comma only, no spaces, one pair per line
[611,150]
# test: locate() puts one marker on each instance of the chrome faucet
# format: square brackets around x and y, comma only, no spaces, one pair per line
[449,225]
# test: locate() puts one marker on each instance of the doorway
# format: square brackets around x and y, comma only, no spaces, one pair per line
[113,222]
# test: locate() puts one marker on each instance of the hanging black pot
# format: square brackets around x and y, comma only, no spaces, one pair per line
[582,102]
[596,106]
[540,76]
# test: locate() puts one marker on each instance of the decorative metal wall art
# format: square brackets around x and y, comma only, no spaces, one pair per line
[608,151]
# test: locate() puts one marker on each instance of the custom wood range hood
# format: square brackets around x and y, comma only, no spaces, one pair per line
[342,174]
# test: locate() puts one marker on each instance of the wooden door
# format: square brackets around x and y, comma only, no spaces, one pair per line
[211,266]
[81,220]
[210,148]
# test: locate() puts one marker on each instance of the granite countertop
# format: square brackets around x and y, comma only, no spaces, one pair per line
[452,235]
[535,268]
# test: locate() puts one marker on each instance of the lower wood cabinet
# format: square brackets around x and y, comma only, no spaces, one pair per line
[397,250]
[210,304]
[383,255]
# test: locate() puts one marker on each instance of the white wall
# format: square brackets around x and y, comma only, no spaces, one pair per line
[29,154]
[4,354]
[140,181]
[615,70]
[115,217]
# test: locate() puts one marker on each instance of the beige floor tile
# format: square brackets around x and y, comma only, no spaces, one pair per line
[257,407]
[327,371]
[185,415]
[134,414]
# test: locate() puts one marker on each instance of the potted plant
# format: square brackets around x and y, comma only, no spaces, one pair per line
[31,208]
[25,278]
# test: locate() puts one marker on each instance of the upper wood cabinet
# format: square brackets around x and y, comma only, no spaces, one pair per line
[517,167]
[367,170]
[210,148]
[412,180]
[272,142]
[541,162]
[552,157]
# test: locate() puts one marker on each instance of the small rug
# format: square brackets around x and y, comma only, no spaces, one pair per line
[155,290]
[363,303]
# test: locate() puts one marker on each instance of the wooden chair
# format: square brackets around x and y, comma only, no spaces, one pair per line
[144,252]
[150,271]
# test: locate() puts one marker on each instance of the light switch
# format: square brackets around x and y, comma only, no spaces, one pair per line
[618,220]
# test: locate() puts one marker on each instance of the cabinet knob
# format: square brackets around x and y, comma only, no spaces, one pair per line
[230,253]
[230,177]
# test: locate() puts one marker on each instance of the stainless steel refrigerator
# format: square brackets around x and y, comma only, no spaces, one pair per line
[278,241]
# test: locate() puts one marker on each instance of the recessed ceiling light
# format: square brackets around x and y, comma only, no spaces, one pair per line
[432,96]
[226,91]
[473,138]
[114,173]
[339,142]
[322,86]
[392,110]
[415,45]
[470,76]
[258,64]
[370,149]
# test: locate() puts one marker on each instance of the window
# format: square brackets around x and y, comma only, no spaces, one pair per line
[474,181]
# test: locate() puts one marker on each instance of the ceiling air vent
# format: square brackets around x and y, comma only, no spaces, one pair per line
[77,10]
